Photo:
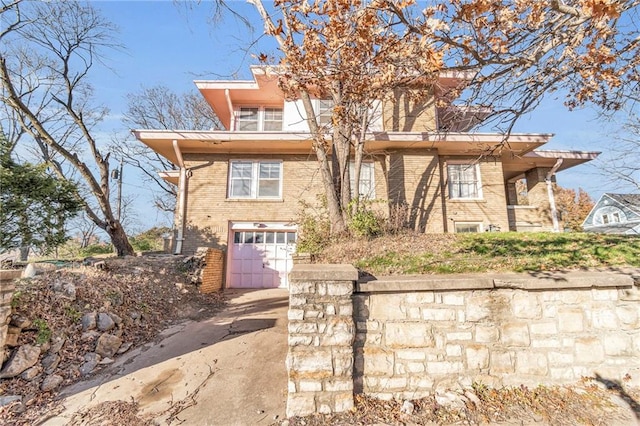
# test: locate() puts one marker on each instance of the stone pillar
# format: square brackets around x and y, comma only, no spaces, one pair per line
[321,335]
[6,293]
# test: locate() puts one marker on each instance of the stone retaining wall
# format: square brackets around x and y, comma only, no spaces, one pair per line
[414,336]
[6,293]
[421,335]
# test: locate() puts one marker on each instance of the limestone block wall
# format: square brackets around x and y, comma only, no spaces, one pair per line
[417,335]
[6,293]
[321,333]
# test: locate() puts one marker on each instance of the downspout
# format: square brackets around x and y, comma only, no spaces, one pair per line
[227,96]
[552,200]
[181,198]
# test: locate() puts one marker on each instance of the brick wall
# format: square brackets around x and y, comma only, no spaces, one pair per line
[213,271]
[405,111]
[414,179]
[209,211]
[491,209]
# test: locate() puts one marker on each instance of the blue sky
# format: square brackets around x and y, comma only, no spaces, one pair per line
[174,43]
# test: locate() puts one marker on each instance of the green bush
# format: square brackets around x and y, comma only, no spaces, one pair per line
[44,332]
[150,240]
[363,221]
[93,249]
[314,228]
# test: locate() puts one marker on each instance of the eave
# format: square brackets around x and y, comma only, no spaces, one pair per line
[218,142]
[514,166]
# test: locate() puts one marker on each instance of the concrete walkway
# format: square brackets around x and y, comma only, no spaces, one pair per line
[228,370]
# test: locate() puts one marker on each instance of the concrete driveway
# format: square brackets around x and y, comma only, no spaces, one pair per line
[227,370]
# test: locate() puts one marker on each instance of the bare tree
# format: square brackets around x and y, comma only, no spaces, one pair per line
[522,50]
[346,52]
[621,163]
[515,51]
[159,107]
[47,52]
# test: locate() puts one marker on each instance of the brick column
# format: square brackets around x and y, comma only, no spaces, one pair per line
[6,293]
[321,335]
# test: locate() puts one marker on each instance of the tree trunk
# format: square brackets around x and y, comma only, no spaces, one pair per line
[119,239]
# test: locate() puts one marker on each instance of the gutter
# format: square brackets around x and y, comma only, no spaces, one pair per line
[182,198]
[552,200]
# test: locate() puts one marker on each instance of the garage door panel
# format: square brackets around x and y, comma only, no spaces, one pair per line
[261,258]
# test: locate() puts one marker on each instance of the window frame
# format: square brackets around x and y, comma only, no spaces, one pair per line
[478,181]
[371,195]
[470,223]
[261,117]
[254,180]
[324,112]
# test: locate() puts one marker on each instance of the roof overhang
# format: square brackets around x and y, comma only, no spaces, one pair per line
[515,166]
[171,176]
[263,90]
[222,95]
[218,142]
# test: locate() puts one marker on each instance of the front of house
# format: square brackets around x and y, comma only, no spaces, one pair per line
[240,188]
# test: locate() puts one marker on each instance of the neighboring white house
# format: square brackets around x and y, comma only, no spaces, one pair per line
[615,214]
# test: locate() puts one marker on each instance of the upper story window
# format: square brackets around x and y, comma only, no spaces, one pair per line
[255,179]
[367,188]
[325,112]
[611,218]
[464,181]
[272,119]
[259,119]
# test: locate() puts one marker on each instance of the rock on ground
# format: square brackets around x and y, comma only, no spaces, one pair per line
[24,357]
[108,345]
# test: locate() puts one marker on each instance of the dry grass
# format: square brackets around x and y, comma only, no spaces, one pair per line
[412,253]
[586,404]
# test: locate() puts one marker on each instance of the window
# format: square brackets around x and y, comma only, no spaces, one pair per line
[272,119]
[255,179]
[248,119]
[325,112]
[466,227]
[611,218]
[367,188]
[259,119]
[464,181]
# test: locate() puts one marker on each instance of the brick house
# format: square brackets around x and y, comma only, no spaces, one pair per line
[240,188]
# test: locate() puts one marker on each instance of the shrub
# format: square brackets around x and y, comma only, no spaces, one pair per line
[363,221]
[314,228]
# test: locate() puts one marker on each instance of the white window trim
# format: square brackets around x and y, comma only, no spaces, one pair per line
[372,194]
[255,172]
[480,227]
[478,175]
[261,116]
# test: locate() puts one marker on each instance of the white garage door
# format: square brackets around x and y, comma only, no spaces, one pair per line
[261,258]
